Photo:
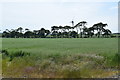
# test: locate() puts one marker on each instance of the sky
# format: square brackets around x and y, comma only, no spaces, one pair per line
[46,13]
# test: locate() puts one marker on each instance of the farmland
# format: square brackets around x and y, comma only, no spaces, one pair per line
[61,57]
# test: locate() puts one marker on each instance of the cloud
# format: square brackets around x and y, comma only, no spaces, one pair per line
[115,7]
[59,0]
[45,15]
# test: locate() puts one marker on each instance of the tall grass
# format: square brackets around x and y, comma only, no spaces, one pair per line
[61,58]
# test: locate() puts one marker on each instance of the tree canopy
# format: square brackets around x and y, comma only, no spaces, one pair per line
[80,30]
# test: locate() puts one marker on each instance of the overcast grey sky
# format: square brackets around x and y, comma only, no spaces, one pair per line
[47,13]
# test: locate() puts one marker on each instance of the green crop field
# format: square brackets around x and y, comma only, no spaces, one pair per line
[61,58]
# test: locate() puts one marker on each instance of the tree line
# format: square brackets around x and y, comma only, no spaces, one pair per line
[80,30]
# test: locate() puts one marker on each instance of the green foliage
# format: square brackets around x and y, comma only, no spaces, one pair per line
[19,54]
[115,60]
[61,32]
[5,52]
[14,54]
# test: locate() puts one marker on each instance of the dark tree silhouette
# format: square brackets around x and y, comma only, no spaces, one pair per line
[107,33]
[99,27]
[97,30]
[80,25]
[20,29]
[28,34]
[47,32]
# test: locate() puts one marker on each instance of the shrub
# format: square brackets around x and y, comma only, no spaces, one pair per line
[5,52]
[18,54]
[112,61]
[116,59]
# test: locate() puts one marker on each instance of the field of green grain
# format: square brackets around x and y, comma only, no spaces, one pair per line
[61,58]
